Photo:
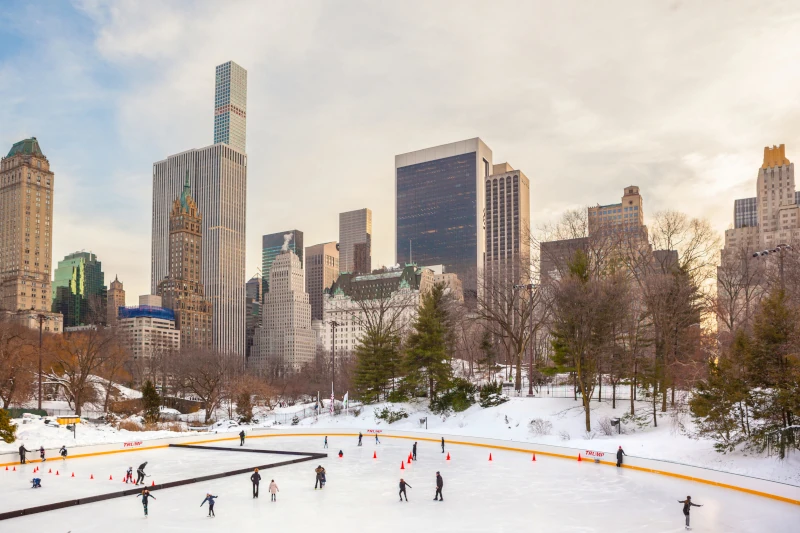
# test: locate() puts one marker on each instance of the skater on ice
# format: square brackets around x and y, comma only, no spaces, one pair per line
[620,453]
[341,454]
[210,499]
[241,438]
[41,454]
[376,439]
[22,452]
[403,486]
[273,490]
[145,496]
[36,483]
[360,436]
[140,473]
[687,507]
[128,477]
[439,486]
[414,451]
[63,452]
[326,442]
[256,479]
[442,444]
[320,473]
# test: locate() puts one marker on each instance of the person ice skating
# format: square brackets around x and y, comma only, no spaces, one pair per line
[273,490]
[414,451]
[145,496]
[140,473]
[376,439]
[687,506]
[439,486]
[360,436]
[256,479]
[620,453]
[210,499]
[319,470]
[403,486]
[22,452]
[63,452]
[326,441]
[36,483]
[41,454]
[442,444]
[128,478]
[241,438]
[340,454]
[324,477]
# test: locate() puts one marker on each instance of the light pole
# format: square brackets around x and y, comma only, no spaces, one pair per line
[779,249]
[41,318]
[531,287]
[334,325]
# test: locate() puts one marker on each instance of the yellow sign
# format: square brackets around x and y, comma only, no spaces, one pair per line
[64,420]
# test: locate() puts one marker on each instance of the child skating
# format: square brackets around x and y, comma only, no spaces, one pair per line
[128,477]
[145,496]
[210,499]
[273,490]
[36,483]
[687,507]
[63,452]
[41,454]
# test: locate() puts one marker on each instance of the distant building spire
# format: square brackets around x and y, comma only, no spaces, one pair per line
[186,194]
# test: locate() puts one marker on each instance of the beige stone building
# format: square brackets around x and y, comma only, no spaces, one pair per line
[116,299]
[508,225]
[26,231]
[322,270]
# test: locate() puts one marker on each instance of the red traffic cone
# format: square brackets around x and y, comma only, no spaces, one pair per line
[73,474]
[402,465]
[579,458]
[50,471]
[153,484]
[56,472]
[448,456]
[91,476]
[534,458]
[409,460]
[374,455]
[15,469]
[490,456]
[110,478]
[7,469]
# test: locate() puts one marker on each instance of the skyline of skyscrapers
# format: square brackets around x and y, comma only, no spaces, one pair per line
[440,208]
[271,246]
[355,241]
[230,106]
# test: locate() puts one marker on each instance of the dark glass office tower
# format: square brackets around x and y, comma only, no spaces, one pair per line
[439,207]
[271,246]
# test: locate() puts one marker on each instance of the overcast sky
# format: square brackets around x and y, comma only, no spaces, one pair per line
[679,98]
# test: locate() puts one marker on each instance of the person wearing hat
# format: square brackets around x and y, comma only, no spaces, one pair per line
[687,506]
[439,485]
[620,453]
[256,479]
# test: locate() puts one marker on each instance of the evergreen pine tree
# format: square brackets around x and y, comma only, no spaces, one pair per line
[151,402]
[8,430]
[244,407]
[427,359]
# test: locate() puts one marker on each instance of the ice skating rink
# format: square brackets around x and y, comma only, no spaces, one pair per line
[509,494]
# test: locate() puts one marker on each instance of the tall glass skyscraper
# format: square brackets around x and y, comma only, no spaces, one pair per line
[440,208]
[230,106]
[271,246]
[79,291]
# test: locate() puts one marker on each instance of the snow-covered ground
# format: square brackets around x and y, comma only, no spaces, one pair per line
[509,494]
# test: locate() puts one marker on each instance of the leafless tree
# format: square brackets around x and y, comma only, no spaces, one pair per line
[17,361]
[204,374]
[740,286]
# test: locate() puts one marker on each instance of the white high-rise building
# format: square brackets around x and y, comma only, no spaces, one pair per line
[355,241]
[230,106]
[285,341]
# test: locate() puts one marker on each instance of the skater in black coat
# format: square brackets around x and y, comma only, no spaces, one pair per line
[403,486]
[140,473]
[63,452]
[360,436]
[256,479]
[620,453]
[241,438]
[22,452]
[320,477]
[439,486]
[442,444]
[414,451]
[145,495]
[687,506]
[210,499]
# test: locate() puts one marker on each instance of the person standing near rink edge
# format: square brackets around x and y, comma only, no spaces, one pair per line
[256,479]
[22,452]
[326,442]
[687,506]
[442,444]
[620,453]
[414,451]
[241,438]
[360,436]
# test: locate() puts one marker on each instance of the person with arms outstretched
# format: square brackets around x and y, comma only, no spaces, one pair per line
[256,479]
[687,506]
[403,486]
[210,499]
[145,496]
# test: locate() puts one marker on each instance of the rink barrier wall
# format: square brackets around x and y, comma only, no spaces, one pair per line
[756,486]
[305,456]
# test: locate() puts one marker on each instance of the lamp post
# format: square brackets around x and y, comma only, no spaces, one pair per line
[41,318]
[334,325]
[530,287]
[780,250]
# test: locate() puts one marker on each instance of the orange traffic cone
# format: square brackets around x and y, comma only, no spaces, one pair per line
[153,484]
[409,460]
[73,474]
[374,455]
[50,471]
[448,456]
[402,465]
[534,457]
[15,469]
[579,458]
[110,478]
[490,456]
[7,469]
[56,472]
[91,476]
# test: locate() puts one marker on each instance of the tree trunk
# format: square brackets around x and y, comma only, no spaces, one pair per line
[655,397]
[600,387]
[613,395]
[575,386]
[518,377]
[587,412]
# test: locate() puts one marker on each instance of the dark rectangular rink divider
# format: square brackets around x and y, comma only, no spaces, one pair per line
[304,456]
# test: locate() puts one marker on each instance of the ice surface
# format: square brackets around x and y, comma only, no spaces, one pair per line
[505,495]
